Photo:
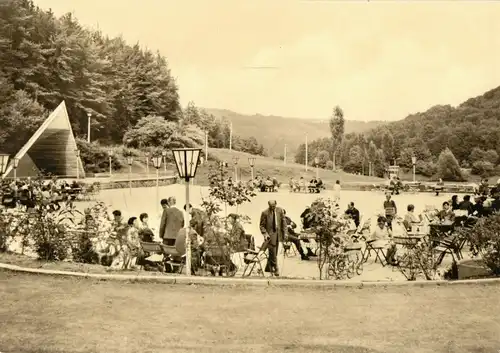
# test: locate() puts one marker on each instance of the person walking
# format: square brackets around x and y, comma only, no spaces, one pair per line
[274,229]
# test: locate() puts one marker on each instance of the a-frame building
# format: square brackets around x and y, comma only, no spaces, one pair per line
[51,149]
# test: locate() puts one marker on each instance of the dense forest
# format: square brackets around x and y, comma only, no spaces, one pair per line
[129,91]
[470,133]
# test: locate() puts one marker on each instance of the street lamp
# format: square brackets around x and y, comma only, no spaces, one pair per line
[414,162]
[316,163]
[130,160]
[164,155]
[77,151]
[89,115]
[157,164]
[186,160]
[235,162]
[16,164]
[251,161]
[110,154]
[4,160]
[147,163]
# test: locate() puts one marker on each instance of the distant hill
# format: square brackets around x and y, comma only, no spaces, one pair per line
[276,131]
[474,124]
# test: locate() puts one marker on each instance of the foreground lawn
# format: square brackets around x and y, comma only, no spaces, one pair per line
[54,314]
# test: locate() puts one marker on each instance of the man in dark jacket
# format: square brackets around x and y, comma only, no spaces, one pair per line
[294,237]
[274,229]
[172,220]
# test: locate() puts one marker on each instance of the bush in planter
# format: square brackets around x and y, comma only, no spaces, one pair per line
[484,239]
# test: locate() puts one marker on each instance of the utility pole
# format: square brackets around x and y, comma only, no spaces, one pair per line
[306,154]
[284,156]
[231,136]
[206,146]
[89,115]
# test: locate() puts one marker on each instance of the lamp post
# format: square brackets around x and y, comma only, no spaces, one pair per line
[251,161]
[4,160]
[164,155]
[147,163]
[316,163]
[130,160]
[186,160]
[89,115]
[16,164]
[370,172]
[157,164]
[77,151]
[414,162]
[110,154]
[235,161]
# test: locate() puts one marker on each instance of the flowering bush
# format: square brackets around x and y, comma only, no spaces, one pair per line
[484,239]
[418,261]
[329,229]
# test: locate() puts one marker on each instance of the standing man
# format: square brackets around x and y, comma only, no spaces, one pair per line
[390,210]
[273,228]
[171,223]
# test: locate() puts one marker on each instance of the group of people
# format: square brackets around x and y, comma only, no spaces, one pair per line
[315,185]
[49,193]
[265,185]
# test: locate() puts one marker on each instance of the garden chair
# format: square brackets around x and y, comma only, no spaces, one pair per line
[174,261]
[254,259]
[288,248]
[217,259]
[151,249]
[378,248]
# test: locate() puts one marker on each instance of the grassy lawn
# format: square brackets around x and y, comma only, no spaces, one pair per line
[54,314]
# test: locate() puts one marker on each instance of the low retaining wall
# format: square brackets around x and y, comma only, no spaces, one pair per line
[253,282]
[137,183]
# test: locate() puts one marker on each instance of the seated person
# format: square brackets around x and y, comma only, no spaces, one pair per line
[145,233]
[133,243]
[319,184]
[276,184]
[380,238]
[237,234]
[446,215]
[411,218]
[294,237]
[353,213]
[268,185]
[302,184]
[313,185]
[466,205]
[306,225]
[196,248]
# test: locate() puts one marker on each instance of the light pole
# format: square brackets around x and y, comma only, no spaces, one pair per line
[110,154]
[235,161]
[4,160]
[147,163]
[251,161]
[186,160]
[316,163]
[307,154]
[157,164]
[284,156]
[370,169]
[164,155]
[414,162]
[77,151]
[130,160]
[206,146]
[89,115]
[16,164]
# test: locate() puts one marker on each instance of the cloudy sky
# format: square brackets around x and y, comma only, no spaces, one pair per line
[377,60]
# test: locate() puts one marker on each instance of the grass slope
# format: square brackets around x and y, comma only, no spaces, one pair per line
[276,131]
[54,314]
[267,166]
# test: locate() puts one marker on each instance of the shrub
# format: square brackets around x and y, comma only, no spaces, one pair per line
[484,240]
[425,168]
[95,158]
[327,226]
[448,168]
[483,168]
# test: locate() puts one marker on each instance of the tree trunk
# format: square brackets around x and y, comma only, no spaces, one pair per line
[334,160]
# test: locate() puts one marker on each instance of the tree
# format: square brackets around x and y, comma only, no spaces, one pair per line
[448,168]
[337,128]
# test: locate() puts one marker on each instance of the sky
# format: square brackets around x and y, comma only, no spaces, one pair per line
[377,60]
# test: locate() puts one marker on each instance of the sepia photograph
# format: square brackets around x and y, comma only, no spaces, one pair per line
[249,176]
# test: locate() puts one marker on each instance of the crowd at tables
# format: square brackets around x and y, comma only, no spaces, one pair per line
[25,192]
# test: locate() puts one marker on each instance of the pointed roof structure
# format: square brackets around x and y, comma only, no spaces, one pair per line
[51,149]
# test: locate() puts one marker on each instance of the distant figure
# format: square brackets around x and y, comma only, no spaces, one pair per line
[390,210]
[336,191]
